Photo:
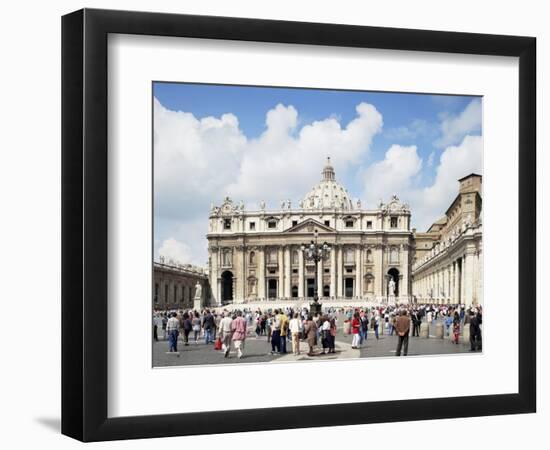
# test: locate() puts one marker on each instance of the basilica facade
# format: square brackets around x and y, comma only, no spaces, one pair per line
[255,256]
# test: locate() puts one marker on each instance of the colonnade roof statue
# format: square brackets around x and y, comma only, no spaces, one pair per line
[328,193]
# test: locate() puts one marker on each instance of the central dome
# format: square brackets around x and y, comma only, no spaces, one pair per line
[328,193]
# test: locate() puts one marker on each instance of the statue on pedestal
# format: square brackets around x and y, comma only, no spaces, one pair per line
[391,287]
[197,301]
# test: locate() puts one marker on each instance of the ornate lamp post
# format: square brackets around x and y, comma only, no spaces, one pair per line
[316,252]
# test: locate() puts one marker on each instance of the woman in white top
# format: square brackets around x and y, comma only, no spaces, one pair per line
[295,328]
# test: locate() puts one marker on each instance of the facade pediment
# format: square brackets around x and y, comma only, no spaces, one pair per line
[309,226]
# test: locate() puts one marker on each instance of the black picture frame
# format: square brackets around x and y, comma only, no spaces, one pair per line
[84,224]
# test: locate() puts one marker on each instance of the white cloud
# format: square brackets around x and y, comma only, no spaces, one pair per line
[431,202]
[398,173]
[276,165]
[454,128]
[176,251]
[200,161]
[194,159]
[393,175]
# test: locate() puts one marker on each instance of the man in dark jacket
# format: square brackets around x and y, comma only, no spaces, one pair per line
[415,318]
[402,326]
[475,331]
[208,326]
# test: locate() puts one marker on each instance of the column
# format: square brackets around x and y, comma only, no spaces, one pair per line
[358,272]
[340,291]
[214,275]
[333,271]
[380,279]
[469,278]
[449,281]
[301,273]
[320,279]
[261,273]
[462,282]
[286,291]
[280,284]
[239,274]
[404,287]
[456,279]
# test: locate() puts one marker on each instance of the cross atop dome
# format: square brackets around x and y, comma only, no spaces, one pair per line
[328,171]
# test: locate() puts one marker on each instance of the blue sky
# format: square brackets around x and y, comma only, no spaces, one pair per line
[393,142]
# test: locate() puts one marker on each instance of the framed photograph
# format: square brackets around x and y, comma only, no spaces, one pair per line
[259,216]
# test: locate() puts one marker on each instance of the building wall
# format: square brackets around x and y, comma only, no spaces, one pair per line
[451,271]
[174,286]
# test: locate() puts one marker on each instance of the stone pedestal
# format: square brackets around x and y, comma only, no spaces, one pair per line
[439,330]
[315,308]
[424,330]
[197,303]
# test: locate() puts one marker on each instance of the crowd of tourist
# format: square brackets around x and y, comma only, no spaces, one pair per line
[229,329]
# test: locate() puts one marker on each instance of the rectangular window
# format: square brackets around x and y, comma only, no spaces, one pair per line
[252,226]
[349,270]
[327,223]
[327,270]
[349,223]
[165,293]
[369,224]
[393,222]
[156,292]
[272,271]
[271,224]
[226,224]
[294,270]
[175,294]
[294,223]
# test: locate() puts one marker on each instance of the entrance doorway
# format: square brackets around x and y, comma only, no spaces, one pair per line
[271,288]
[348,287]
[227,287]
[393,273]
[326,291]
[310,287]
